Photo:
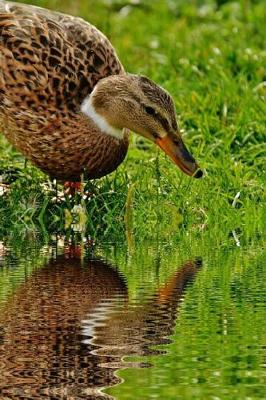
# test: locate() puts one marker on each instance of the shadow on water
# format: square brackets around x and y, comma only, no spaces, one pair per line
[66,330]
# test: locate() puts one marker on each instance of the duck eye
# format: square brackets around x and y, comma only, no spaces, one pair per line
[150,110]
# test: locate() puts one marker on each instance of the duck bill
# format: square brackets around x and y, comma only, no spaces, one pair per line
[180,155]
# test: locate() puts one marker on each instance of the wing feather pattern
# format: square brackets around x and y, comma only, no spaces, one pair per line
[49,61]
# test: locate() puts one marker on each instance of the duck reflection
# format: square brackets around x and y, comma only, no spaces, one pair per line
[65,330]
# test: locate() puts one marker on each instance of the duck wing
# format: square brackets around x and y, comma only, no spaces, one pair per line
[49,62]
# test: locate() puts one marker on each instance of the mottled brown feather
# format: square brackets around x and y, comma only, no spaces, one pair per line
[49,62]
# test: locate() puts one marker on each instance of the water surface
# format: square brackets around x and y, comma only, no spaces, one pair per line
[169,321]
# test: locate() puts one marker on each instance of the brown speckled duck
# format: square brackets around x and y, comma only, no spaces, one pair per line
[66,101]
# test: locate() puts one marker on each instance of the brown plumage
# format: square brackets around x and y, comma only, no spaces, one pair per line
[50,63]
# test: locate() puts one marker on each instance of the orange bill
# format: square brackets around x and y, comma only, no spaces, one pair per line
[177,151]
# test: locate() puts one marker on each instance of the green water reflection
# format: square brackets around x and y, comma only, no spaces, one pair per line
[176,320]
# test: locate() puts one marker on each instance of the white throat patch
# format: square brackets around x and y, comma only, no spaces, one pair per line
[88,109]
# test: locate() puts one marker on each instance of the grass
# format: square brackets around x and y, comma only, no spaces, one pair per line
[211,57]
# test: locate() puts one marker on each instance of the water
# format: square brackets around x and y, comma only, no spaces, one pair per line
[182,320]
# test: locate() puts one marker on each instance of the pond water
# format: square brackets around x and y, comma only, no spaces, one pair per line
[176,320]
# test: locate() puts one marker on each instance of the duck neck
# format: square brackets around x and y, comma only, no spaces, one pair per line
[88,108]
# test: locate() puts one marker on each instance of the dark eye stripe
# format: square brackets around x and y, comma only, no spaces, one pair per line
[163,121]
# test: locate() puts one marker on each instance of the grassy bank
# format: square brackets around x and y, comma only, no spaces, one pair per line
[211,58]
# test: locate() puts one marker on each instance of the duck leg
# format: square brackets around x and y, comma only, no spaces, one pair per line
[71,188]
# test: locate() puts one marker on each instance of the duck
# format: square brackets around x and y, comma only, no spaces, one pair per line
[67,103]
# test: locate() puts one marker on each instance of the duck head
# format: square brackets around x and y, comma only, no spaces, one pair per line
[138,104]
